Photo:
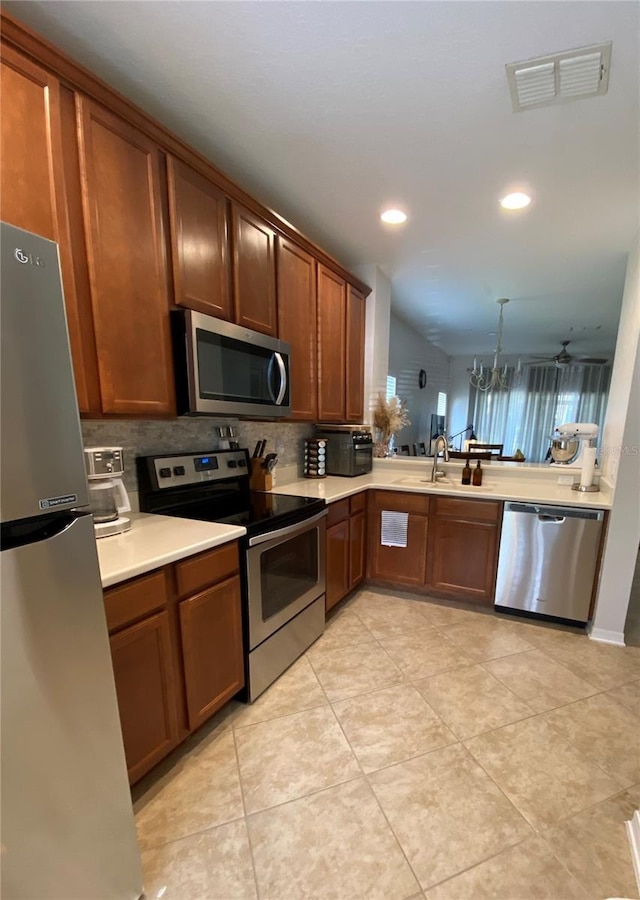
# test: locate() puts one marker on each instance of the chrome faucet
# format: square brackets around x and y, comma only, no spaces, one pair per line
[441,442]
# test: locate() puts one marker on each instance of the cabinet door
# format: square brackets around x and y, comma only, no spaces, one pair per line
[32,186]
[401,565]
[337,563]
[211,627]
[125,248]
[199,242]
[331,346]
[254,271]
[463,558]
[297,314]
[355,355]
[146,689]
[357,548]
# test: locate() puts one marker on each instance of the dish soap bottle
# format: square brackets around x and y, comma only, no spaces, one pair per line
[477,475]
[466,473]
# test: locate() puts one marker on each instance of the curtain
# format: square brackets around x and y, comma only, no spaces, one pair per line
[525,414]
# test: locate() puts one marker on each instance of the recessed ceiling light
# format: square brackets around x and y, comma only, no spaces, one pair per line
[393,216]
[515,201]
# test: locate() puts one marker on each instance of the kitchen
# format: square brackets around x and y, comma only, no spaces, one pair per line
[116,384]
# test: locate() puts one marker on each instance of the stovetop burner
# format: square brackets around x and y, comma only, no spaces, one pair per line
[214,487]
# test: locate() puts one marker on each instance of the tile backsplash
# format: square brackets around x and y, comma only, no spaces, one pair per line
[141,438]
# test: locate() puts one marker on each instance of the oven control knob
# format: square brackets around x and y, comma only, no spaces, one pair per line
[178,470]
[232,463]
[242,463]
[165,473]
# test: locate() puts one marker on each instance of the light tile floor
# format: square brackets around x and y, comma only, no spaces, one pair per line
[418,750]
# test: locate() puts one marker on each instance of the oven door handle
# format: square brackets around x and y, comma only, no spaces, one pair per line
[283,532]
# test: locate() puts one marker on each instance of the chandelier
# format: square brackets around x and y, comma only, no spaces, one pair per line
[485,379]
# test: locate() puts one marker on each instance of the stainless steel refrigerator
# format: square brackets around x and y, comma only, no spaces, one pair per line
[67,828]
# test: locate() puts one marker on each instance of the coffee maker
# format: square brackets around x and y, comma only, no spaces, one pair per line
[108,496]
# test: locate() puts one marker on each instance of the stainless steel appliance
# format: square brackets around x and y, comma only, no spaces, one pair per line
[225,370]
[547,560]
[67,828]
[108,496]
[282,555]
[349,451]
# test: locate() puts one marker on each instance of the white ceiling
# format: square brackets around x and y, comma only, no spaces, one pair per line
[330,111]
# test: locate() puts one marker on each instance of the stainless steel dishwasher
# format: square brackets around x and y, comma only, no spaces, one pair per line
[548,559]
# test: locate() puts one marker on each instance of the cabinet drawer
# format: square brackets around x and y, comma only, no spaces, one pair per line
[135,599]
[483,510]
[401,502]
[358,503]
[337,512]
[206,568]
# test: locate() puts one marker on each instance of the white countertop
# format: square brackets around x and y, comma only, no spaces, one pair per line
[539,485]
[155,541]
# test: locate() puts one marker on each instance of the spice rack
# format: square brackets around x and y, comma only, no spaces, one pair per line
[315,458]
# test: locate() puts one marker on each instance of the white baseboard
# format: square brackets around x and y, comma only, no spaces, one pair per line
[607,637]
[633,833]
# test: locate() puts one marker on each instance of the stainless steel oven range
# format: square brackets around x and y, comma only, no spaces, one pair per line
[282,554]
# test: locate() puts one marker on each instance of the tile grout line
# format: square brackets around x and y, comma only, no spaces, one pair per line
[244,814]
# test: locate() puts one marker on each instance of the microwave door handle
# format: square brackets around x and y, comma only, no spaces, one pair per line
[283,379]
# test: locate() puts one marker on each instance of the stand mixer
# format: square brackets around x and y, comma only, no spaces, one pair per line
[569,443]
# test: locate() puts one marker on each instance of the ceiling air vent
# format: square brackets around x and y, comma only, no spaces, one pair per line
[561,76]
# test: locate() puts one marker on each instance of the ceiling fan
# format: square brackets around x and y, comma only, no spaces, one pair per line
[564,358]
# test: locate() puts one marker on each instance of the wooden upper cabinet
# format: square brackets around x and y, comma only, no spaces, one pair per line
[122,203]
[332,290]
[199,242]
[297,311]
[355,355]
[32,189]
[254,271]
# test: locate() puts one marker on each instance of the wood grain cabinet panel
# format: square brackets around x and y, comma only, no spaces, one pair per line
[332,291]
[33,192]
[337,563]
[357,548]
[211,627]
[146,690]
[125,245]
[297,313]
[463,558]
[399,565]
[254,271]
[199,242]
[354,360]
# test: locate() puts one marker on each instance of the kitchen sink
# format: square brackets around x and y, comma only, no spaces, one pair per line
[442,484]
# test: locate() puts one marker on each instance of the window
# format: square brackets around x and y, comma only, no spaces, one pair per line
[391,386]
[442,403]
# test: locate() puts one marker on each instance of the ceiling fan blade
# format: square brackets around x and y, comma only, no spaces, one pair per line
[591,360]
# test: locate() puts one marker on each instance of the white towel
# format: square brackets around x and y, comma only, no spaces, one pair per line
[394,529]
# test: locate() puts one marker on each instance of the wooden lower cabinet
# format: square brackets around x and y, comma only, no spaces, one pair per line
[346,547]
[399,565]
[177,651]
[357,548]
[452,544]
[337,563]
[463,558]
[146,687]
[211,630]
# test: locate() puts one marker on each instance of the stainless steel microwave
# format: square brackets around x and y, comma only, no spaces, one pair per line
[226,370]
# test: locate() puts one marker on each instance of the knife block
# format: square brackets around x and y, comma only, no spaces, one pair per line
[260,479]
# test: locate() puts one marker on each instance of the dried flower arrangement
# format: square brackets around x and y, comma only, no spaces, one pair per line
[389,416]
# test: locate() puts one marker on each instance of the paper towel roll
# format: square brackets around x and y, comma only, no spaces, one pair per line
[588,465]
